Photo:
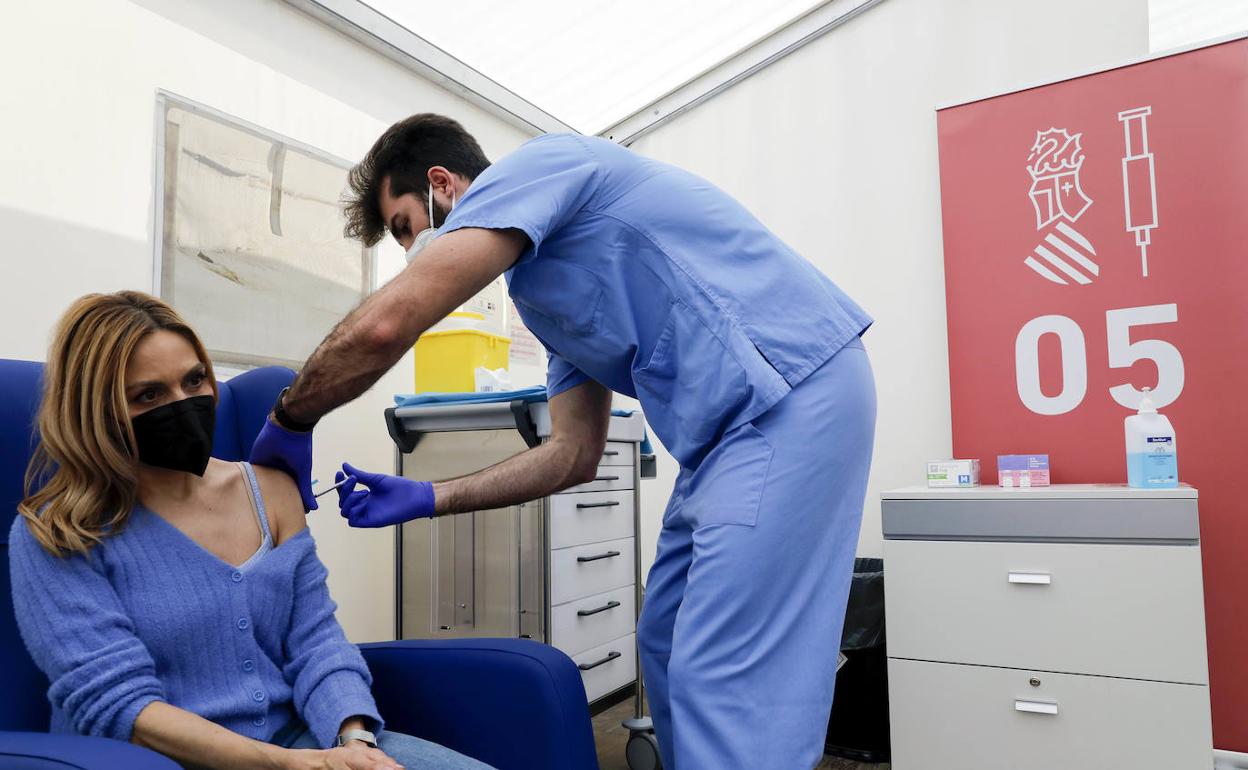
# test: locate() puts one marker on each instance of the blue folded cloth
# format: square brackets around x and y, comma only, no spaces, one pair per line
[535,394]
[527,395]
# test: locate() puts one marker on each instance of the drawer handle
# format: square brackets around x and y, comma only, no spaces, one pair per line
[606,478]
[611,453]
[610,657]
[1031,578]
[607,555]
[1036,707]
[608,606]
[609,504]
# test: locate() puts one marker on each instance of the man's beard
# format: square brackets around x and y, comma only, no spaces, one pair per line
[439,213]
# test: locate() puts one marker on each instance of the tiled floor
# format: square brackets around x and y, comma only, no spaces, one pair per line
[611,738]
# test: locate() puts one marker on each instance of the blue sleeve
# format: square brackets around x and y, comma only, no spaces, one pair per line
[561,375]
[77,631]
[326,672]
[536,189]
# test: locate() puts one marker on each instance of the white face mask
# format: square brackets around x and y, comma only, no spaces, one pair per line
[423,237]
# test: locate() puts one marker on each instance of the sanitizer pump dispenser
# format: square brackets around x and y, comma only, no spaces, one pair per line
[1152,460]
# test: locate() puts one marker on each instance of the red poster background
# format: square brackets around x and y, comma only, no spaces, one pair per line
[1198,134]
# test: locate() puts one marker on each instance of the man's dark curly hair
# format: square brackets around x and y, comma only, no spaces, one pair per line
[405,153]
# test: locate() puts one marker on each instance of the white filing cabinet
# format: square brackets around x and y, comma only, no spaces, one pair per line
[1053,627]
[562,569]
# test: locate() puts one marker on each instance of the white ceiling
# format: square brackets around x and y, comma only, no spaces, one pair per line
[1176,23]
[592,63]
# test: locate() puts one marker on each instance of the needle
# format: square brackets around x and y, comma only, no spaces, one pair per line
[331,489]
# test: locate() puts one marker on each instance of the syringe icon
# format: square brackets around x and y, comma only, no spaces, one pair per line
[1139,182]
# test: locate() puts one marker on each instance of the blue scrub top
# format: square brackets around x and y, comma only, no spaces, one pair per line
[658,285]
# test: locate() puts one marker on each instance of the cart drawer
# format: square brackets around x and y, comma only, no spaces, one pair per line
[609,667]
[585,570]
[618,453]
[953,717]
[590,517]
[595,620]
[609,478]
[1132,611]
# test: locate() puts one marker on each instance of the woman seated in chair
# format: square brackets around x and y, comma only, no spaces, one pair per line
[172,599]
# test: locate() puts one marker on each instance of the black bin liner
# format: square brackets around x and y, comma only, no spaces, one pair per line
[858,727]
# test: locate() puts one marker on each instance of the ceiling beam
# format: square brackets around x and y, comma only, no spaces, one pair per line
[359,21]
[765,52]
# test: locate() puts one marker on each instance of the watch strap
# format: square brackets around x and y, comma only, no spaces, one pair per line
[357,735]
[283,419]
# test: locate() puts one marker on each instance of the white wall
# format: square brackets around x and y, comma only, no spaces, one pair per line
[834,148]
[76,182]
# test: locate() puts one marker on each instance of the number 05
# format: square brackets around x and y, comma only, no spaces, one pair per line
[1123,353]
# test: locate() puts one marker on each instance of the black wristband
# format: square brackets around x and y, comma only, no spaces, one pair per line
[284,420]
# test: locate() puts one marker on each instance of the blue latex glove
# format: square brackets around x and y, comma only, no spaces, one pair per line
[287,451]
[388,499]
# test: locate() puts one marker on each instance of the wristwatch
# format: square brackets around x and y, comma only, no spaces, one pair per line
[283,419]
[358,735]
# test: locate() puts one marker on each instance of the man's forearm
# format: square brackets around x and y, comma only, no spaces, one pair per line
[529,475]
[376,334]
[346,363]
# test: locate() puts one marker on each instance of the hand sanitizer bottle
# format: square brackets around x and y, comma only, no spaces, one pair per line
[1152,460]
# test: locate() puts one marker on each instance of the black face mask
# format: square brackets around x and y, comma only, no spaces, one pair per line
[177,436]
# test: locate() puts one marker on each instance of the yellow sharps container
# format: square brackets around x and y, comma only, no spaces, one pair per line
[447,356]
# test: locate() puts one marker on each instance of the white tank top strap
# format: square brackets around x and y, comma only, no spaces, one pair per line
[258,500]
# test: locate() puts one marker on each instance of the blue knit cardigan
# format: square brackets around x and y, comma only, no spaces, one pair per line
[150,615]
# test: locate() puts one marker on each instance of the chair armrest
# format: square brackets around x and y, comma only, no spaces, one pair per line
[31,751]
[511,703]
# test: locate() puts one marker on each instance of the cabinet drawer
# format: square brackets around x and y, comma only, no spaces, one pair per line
[609,667]
[590,517]
[610,478]
[618,453]
[952,717]
[595,620]
[585,570]
[1133,611]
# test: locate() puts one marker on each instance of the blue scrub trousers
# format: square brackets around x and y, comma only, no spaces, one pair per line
[741,625]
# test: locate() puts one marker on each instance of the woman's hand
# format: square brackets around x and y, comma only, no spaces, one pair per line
[356,755]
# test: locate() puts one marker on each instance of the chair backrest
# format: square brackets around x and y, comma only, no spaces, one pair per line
[241,410]
[244,405]
[23,701]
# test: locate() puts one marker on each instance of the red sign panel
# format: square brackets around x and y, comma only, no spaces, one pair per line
[1095,237]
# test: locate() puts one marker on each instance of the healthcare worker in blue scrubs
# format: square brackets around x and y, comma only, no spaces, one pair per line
[646,280]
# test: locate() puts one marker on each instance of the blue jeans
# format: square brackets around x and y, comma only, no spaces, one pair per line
[413,753]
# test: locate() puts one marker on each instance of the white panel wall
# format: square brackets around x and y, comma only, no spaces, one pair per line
[834,148]
[76,182]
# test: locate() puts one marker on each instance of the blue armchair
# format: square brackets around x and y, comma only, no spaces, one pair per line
[512,703]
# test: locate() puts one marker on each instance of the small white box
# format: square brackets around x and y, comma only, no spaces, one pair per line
[953,473]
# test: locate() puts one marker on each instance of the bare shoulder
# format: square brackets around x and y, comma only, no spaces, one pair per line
[282,503]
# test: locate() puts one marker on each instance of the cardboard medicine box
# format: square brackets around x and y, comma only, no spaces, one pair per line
[1023,470]
[953,473]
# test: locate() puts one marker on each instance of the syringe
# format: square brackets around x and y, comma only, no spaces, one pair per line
[1139,182]
[327,490]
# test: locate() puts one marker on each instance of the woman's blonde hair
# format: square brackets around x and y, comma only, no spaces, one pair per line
[82,480]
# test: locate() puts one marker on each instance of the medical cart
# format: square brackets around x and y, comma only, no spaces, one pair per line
[563,569]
